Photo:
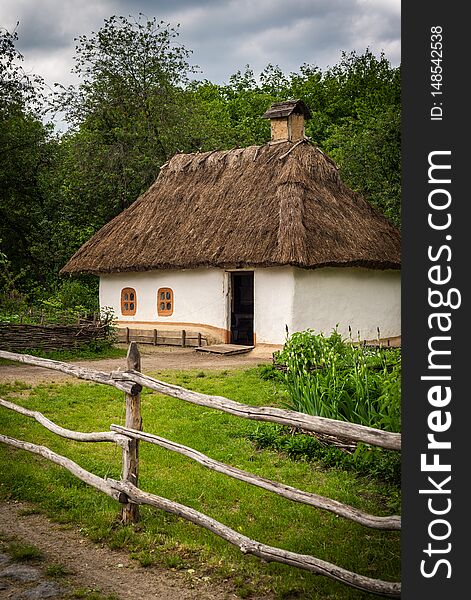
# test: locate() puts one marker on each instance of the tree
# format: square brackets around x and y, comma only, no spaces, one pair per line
[25,153]
[364,136]
[228,116]
[128,114]
[17,89]
[368,151]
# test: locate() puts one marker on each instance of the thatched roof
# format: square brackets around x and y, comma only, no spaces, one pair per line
[261,206]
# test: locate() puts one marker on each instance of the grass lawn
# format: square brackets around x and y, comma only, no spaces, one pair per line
[168,540]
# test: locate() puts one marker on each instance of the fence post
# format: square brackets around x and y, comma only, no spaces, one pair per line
[130,511]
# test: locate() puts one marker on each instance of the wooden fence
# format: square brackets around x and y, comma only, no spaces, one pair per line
[22,336]
[127,492]
[159,337]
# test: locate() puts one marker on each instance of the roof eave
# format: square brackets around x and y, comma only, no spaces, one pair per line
[362,263]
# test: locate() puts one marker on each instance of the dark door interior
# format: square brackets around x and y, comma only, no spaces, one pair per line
[242,308]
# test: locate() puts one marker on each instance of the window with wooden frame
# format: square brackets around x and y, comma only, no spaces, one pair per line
[164,302]
[128,302]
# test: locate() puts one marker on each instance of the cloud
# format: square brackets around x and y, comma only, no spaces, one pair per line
[224,35]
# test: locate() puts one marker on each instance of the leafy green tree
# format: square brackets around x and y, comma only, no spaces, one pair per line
[128,113]
[26,149]
[368,150]
[364,137]
[230,115]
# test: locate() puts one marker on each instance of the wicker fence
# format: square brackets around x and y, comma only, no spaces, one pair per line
[21,336]
[127,492]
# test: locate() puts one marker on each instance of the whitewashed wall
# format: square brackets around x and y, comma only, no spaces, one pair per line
[199,295]
[318,299]
[362,298]
[273,298]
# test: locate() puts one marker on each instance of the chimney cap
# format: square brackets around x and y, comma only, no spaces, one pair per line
[286,108]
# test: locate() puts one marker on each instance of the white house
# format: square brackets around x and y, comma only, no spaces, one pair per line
[241,245]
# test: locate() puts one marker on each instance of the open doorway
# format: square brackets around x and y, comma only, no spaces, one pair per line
[242,308]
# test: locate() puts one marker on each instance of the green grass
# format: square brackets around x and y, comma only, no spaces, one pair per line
[167,540]
[56,571]
[334,378]
[23,552]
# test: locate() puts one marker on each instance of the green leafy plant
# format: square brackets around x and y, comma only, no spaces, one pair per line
[333,378]
[382,465]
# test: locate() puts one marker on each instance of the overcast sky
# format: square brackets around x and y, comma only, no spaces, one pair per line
[224,35]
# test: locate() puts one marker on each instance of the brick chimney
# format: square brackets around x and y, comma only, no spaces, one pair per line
[287,120]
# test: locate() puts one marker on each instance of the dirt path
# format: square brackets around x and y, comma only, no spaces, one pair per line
[90,566]
[154,358]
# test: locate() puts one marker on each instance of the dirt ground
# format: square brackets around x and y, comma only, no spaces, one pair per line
[89,566]
[153,358]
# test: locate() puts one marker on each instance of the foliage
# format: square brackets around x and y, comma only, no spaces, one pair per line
[332,378]
[362,97]
[384,465]
[57,309]
[73,293]
[26,154]
[17,89]
[367,148]
[127,113]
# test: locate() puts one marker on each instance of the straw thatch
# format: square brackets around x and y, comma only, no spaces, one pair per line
[261,206]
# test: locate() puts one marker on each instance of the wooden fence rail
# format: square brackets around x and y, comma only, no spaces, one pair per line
[342,429]
[162,337]
[342,510]
[126,490]
[127,387]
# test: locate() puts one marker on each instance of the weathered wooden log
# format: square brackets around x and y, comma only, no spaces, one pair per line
[130,511]
[358,433]
[80,372]
[74,468]
[263,551]
[342,510]
[102,436]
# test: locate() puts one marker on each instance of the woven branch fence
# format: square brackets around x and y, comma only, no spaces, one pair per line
[127,492]
[22,336]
